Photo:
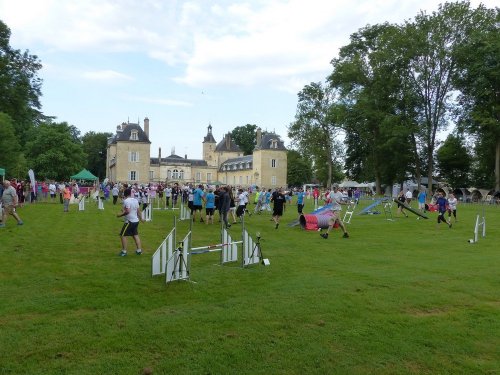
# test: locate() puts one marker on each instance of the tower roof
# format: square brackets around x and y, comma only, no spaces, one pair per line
[209,138]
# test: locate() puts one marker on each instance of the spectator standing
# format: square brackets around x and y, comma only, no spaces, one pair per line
[300,201]
[52,191]
[115,192]
[209,199]
[421,198]
[168,195]
[66,197]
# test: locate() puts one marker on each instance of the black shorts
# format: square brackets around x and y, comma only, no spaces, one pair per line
[278,211]
[129,229]
[197,207]
[209,211]
[299,208]
[240,210]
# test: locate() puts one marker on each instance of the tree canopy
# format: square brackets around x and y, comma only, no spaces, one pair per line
[394,88]
[245,137]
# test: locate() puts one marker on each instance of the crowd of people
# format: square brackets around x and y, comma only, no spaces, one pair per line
[227,204]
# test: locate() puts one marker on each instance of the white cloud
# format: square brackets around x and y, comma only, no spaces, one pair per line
[279,44]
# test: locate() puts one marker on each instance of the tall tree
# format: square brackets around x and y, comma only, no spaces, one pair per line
[377,138]
[53,152]
[431,64]
[299,169]
[94,145]
[315,131]
[245,137]
[20,86]
[478,78]
[454,161]
[9,146]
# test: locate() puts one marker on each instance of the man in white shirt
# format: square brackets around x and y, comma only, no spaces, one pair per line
[168,195]
[408,196]
[52,191]
[130,227]
[336,199]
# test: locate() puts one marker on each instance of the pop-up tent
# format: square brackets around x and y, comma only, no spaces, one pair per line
[2,173]
[84,175]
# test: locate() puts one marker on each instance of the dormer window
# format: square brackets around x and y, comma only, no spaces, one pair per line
[274,143]
[134,135]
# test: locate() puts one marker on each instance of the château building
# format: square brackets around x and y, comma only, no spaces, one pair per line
[129,160]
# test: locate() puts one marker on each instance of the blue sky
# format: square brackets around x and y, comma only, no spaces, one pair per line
[185,64]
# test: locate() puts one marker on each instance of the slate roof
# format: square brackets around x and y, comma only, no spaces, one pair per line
[123,134]
[237,162]
[266,142]
[227,144]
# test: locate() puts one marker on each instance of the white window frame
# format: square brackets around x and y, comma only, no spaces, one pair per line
[209,177]
[273,180]
[133,156]
[169,174]
[198,177]
[181,174]
[134,135]
[175,174]
[151,175]
[133,176]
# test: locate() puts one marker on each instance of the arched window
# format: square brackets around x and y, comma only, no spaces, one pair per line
[175,174]
[169,174]
[181,174]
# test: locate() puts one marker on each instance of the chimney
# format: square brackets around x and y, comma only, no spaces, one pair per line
[146,127]
[259,138]
[228,141]
[159,155]
[185,156]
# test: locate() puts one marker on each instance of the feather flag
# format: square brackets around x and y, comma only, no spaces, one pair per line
[32,179]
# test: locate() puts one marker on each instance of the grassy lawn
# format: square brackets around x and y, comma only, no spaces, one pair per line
[399,297]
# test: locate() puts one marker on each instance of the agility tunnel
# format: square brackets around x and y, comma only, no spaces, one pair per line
[314,222]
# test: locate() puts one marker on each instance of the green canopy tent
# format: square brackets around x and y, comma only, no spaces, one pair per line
[2,173]
[84,175]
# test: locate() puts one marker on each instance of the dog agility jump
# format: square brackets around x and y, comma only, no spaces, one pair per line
[173,259]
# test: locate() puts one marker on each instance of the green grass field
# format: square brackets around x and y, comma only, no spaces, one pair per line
[399,297]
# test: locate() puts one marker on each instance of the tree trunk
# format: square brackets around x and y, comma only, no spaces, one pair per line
[330,168]
[418,174]
[429,173]
[378,184]
[497,166]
